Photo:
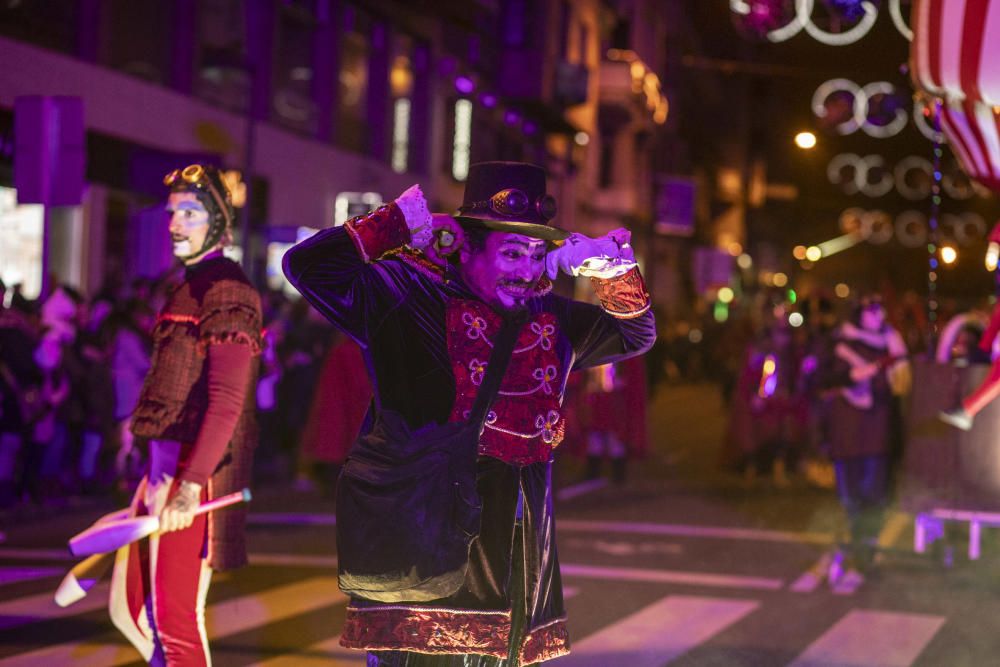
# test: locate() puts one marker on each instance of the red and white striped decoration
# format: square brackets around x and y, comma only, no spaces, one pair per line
[973,131]
[956,49]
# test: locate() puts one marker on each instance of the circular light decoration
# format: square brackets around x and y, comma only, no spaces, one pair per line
[877,227]
[842,290]
[911,228]
[835,102]
[913,176]
[869,12]
[850,221]
[879,110]
[873,165]
[965,228]
[759,18]
[795,319]
[957,184]
[948,254]
[896,12]
[813,253]
[775,21]
[876,108]
[843,171]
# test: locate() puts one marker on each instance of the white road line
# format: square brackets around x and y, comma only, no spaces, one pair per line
[659,633]
[687,530]
[292,519]
[12,575]
[42,607]
[224,619]
[670,577]
[873,639]
[327,653]
[575,490]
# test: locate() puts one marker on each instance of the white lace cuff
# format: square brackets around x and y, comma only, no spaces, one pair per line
[418,218]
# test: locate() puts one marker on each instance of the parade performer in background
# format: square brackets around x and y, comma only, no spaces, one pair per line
[425,297]
[867,367]
[962,416]
[196,410]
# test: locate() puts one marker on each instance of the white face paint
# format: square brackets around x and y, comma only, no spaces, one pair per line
[188,224]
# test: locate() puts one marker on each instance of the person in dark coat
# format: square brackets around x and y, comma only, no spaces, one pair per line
[867,366]
[424,296]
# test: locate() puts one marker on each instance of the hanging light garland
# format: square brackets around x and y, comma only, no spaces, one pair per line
[932,222]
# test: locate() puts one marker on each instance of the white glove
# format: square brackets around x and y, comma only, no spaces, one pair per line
[607,256]
[418,218]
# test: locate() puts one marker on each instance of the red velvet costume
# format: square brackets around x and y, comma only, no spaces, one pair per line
[426,338]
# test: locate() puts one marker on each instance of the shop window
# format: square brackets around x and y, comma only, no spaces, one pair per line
[138,38]
[21,250]
[461,140]
[293,71]
[50,24]
[401,91]
[352,101]
[222,75]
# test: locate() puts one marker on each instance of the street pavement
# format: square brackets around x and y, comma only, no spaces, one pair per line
[684,565]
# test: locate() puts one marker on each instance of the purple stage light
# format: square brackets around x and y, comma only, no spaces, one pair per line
[464,85]
[489,100]
[529,127]
[511,117]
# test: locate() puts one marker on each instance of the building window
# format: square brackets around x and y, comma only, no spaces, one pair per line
[462,140]
[352,100]
[222,75]
[51,24]
[293,72]
[138,42]
[21,250]
[401,91]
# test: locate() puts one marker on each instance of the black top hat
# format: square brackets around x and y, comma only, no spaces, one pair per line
[509,197]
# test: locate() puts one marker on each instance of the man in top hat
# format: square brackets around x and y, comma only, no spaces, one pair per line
[195,412]
[424,295]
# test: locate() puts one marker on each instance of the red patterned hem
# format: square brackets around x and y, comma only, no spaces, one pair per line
[546,642]
[432,630]
[624,297]
[378,232]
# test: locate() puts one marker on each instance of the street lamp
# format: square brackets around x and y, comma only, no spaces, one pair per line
[805,140]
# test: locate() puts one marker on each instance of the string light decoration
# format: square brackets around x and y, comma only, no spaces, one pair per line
[932,223]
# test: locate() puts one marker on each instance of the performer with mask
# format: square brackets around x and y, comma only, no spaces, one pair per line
[194,411]
[425,297]
[868,367]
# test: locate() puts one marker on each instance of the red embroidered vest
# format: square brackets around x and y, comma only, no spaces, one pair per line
[525,422]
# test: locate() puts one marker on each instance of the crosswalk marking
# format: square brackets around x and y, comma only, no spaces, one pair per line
[658,633]
[873,639]
[12,575]
[223,619]
[670,576]
[41,607]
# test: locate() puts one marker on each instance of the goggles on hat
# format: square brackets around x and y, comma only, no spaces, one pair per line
[196,176]
[512,202]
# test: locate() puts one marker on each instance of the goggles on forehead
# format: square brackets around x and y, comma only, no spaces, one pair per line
[512,202]
[196,176]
